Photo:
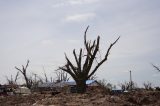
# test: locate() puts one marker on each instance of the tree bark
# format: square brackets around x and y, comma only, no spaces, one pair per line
[81,86]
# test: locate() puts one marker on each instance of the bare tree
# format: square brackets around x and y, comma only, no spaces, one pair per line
[61,76]
[51,78]
[11,81]
[45,75]
[128,85]
[16,77]
[28,80]
[82,72]
[45,79]
[147,85]
[124,86]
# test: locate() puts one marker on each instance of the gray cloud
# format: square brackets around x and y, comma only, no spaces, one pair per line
[43,31]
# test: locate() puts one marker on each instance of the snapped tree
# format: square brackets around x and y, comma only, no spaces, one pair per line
[83,70]
[28,80]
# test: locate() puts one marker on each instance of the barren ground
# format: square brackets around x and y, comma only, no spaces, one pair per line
[141,98]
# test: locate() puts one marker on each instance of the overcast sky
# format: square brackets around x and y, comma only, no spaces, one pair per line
[42,30]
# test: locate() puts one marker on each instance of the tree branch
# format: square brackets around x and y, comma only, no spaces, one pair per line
[16,77]
[93,56]
[27,64]
[105,58]
[71,65]
[157,68]
[19,69]
[68,71]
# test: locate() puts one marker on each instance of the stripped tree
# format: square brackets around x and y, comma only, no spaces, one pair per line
[28,80]
[10,80]
[61,76]
[45,75]
[83,71]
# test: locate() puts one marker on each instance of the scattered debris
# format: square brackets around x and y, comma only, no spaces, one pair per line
[92,98]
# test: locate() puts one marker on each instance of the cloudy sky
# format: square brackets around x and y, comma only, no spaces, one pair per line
[42,30]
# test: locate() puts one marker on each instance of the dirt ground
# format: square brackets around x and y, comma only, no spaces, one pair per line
[137,98]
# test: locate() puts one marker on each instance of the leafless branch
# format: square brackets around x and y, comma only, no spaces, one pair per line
[157,68]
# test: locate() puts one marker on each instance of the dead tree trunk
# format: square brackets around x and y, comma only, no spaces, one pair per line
[82,72]
[81,86]
[45,75]
[23,71]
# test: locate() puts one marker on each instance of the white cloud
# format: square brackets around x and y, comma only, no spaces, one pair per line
[80,17]
[73,2]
